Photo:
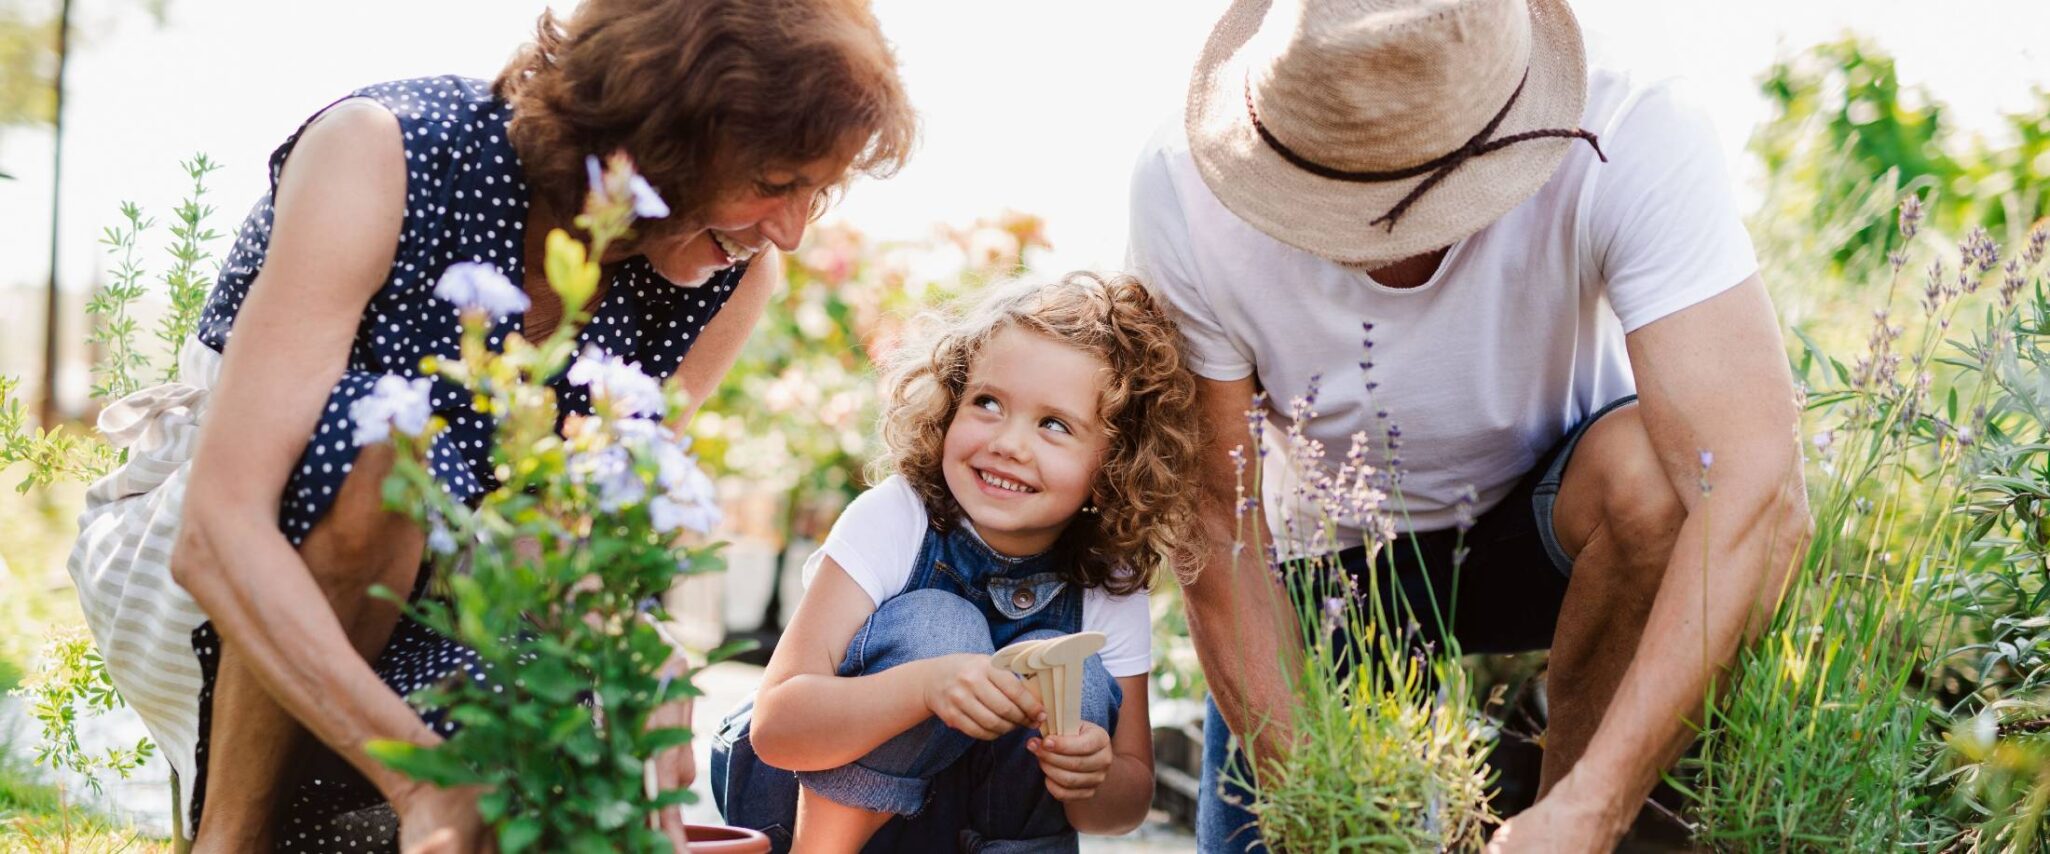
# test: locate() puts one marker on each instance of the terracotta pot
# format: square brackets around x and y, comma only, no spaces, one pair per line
[713,839]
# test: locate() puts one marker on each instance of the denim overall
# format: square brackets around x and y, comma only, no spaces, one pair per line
[948,790]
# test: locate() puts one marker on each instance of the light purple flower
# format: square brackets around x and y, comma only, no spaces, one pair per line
[647,203]
[439,539]
[474,286]
[622,383]
[668,514]
[610,474]
[395,402]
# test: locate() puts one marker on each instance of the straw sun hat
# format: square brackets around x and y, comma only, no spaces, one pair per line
[1368,131]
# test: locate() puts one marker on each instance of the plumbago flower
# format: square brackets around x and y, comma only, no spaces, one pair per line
[395,402]
[553,574]
[473,286]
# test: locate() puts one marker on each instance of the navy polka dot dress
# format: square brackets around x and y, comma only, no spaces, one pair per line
[466,200]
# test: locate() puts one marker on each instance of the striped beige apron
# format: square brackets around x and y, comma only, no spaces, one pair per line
[142,620]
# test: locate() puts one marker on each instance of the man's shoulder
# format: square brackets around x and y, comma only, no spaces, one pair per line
[1161,160]
[1627,104]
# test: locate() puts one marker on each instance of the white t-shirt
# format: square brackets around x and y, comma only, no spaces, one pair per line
[877,538]
[1519,334]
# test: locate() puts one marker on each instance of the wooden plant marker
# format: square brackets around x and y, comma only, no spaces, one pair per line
[1013,658]
[1053,672]
[1064,657]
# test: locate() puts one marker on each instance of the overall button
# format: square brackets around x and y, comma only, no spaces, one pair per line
[1022,598]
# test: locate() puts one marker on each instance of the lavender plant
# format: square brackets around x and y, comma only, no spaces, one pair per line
[552,576]
[1827,732]
[1391,745]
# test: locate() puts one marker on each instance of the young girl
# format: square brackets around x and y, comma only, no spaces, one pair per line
[1036,448]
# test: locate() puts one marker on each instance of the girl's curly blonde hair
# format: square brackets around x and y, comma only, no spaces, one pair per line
[1147,514]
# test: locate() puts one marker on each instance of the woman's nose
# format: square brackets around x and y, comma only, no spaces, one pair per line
[785,227]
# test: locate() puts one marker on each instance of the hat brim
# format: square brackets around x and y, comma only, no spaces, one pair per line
[1333,218]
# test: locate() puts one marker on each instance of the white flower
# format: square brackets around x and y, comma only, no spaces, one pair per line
[471,285]
[630,391]
[647,203]
[395,402]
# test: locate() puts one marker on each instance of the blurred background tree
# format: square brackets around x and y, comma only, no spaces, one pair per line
[1846,138]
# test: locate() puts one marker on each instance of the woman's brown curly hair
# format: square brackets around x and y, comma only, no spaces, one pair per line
[705,95]
[1147,514]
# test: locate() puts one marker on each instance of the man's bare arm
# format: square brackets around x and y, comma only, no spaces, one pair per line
[1244,630]
[1718,400]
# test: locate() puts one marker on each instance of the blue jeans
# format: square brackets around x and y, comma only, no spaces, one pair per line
[948,790]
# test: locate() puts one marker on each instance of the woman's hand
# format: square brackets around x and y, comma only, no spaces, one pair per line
[972,695]
[675,768]
[442,821]
[1074,765]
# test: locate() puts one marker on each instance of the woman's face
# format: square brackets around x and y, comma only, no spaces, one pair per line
[771,210]
[1022,452]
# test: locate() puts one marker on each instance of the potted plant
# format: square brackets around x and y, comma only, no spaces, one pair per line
[554,577]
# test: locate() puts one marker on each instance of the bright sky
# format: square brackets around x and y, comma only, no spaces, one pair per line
[1037,106]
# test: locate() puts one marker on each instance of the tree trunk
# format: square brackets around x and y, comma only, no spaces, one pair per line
[53,299]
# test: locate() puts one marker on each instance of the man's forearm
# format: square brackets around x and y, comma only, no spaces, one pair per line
[1725,576]
[1246,636]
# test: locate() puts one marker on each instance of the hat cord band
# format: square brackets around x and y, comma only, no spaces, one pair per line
[1437,169]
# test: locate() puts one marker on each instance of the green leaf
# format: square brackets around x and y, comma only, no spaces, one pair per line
[516,835]
[436,765]
[657,740]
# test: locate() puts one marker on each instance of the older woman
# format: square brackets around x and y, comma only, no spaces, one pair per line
[743,114]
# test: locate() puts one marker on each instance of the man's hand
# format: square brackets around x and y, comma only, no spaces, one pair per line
[1074,765]
[972,695]
[1558,824]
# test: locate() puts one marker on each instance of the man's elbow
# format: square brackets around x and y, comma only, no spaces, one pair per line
[1789,527]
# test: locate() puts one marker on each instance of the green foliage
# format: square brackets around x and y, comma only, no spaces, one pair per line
[72,681]
[52,454]
[28,63]
[546,578]
[1847,134]
[1917,602]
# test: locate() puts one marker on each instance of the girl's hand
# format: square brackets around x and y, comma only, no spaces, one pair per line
[973,696]
[1074,765]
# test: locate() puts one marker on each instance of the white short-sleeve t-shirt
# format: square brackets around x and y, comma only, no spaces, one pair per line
[1518,335]
[877,538]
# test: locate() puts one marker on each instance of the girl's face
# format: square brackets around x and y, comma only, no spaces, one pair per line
[1022,452]
[773,210]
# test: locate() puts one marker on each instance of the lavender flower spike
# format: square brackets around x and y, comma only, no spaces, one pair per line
[474,286]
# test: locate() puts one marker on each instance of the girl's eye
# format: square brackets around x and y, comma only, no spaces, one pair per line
[985,402]
[1056,425]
